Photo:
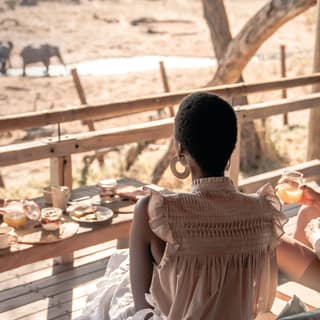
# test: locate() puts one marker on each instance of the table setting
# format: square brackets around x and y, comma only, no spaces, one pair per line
[59,213]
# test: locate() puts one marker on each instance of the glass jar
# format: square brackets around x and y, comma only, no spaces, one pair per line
[51,218]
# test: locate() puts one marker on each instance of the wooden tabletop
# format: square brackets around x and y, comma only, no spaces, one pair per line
[87,235]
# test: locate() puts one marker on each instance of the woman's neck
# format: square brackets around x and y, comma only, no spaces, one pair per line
[198,174]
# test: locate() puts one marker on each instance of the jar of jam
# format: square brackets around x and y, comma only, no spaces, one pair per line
[51,218]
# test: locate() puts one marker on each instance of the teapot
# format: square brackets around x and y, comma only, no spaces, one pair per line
[15,212]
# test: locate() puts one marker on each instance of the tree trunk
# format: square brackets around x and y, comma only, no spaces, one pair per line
[217,20]
[233,54]
[313,151]
[163,163]
[255,32]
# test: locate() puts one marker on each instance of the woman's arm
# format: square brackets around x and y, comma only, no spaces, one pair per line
[299,262]
[141,260]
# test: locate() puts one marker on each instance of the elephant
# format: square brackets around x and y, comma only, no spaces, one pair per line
[43,53]
[5,52]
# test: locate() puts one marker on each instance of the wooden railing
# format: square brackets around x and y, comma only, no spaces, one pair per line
[127,107]
[60,151]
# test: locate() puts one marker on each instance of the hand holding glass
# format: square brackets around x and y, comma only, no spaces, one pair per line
[288,187]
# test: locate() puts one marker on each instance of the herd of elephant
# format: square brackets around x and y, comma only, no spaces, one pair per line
[29,54]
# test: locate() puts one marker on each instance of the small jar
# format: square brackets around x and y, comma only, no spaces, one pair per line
[51,218]
[107,189]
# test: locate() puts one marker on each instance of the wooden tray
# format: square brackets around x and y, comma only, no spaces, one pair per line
[37,235]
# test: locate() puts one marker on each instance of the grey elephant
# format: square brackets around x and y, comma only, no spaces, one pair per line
[43,53]
[5,52]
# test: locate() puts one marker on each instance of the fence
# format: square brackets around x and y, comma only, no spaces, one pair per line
[60,149]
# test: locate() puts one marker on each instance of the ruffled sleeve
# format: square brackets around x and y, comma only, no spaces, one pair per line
[272,204]
[158,216]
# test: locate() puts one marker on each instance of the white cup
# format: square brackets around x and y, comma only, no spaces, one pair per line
[7,237]
[60,196]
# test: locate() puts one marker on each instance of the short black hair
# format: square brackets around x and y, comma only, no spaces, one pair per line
[206,126]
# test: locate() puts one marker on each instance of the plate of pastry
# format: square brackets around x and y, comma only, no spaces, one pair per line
[89,214]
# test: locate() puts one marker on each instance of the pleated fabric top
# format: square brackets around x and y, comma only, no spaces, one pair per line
[219,261]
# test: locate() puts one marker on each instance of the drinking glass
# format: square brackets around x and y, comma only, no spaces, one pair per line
[288,189]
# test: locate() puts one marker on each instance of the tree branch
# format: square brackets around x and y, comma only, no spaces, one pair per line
[257,30]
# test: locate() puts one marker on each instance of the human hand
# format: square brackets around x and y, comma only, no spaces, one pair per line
[309,197]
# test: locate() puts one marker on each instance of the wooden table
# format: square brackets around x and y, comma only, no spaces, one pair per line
[87,235]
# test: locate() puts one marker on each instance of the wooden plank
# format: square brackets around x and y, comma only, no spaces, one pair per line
[38,270]
[83,142]
[137,105]
[49,304]
[119,228]
[12,293]
[54,285]
[44,285]
[13,302]
[19,313]
[310,169]
[271,108]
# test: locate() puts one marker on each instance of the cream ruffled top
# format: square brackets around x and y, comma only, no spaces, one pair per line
[219,261]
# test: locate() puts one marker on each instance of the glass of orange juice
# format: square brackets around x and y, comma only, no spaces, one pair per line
[288,188]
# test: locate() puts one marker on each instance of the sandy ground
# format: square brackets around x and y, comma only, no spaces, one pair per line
[101,29]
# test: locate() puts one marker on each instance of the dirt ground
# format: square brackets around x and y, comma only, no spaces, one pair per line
[105,28]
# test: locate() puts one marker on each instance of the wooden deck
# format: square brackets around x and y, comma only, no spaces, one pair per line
[49,290]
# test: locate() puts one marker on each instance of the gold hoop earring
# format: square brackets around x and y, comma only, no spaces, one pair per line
[173,166]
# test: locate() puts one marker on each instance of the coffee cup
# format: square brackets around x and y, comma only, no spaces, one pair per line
[7,237]
[60,196]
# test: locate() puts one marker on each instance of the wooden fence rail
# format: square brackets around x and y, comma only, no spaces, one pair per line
[122,108]
[84,142]
[60,150]
[88,141]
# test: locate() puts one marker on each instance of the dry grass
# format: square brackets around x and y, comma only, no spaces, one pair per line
[72,26]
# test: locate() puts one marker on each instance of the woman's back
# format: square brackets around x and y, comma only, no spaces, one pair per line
[219,261]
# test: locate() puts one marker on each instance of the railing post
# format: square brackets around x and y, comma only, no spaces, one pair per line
[61,175]
[165,83]
[61,171]
[83,100]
